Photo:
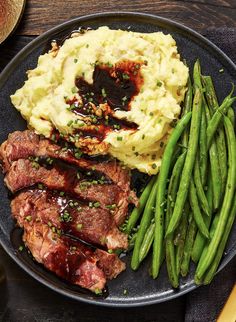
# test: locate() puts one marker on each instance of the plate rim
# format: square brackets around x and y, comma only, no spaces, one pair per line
[6,72]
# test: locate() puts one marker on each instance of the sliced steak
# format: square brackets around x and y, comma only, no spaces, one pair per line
[23,173]
[68,259]
[91,224]
[21,145]
[109,263]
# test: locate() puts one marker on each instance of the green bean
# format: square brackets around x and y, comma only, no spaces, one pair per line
[171,262]
[222,154]
[231,115]
[200,240]
[173,185]
[220,136]
[147,242]
[188,100]
[175,156]
[215,168]
[137,211]
[144,224]
[160,200]
[202,135]
[214,224]
[212,270]
[226,206]
[203,147]
[217,116]
[199,188]
[197,75]
[192,229]
[181,236]
[189,163]
[171,196]
[196,211]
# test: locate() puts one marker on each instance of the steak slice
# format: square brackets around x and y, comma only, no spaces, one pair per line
[23,173]
[68,259]
[109,263]
[21,145]
[91,224]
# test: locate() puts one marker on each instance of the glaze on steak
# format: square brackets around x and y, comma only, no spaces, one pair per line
[67,200]
[23,173]
[68,259]
[93,225]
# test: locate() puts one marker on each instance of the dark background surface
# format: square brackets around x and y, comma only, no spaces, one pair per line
[22,298]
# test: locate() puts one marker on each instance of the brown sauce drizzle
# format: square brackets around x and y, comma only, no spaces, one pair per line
[113,88]
[113,85]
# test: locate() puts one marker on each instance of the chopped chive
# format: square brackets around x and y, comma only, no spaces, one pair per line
[96,204]
[40,186]
[119,138]
[154,165]
[21,248]
[79,226]
[125,76]
[98,291]
[74,90]
[75,60]
[104,92]
[28,218]
[78,154]
[159,83]
[113,206]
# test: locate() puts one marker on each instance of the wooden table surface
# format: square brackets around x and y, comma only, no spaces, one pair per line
[22,298]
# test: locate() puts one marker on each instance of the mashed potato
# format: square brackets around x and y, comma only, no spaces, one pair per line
[44,99]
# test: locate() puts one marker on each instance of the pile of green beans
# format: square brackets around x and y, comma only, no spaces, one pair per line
[186,212]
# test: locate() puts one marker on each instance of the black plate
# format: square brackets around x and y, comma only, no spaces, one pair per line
[142,289]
